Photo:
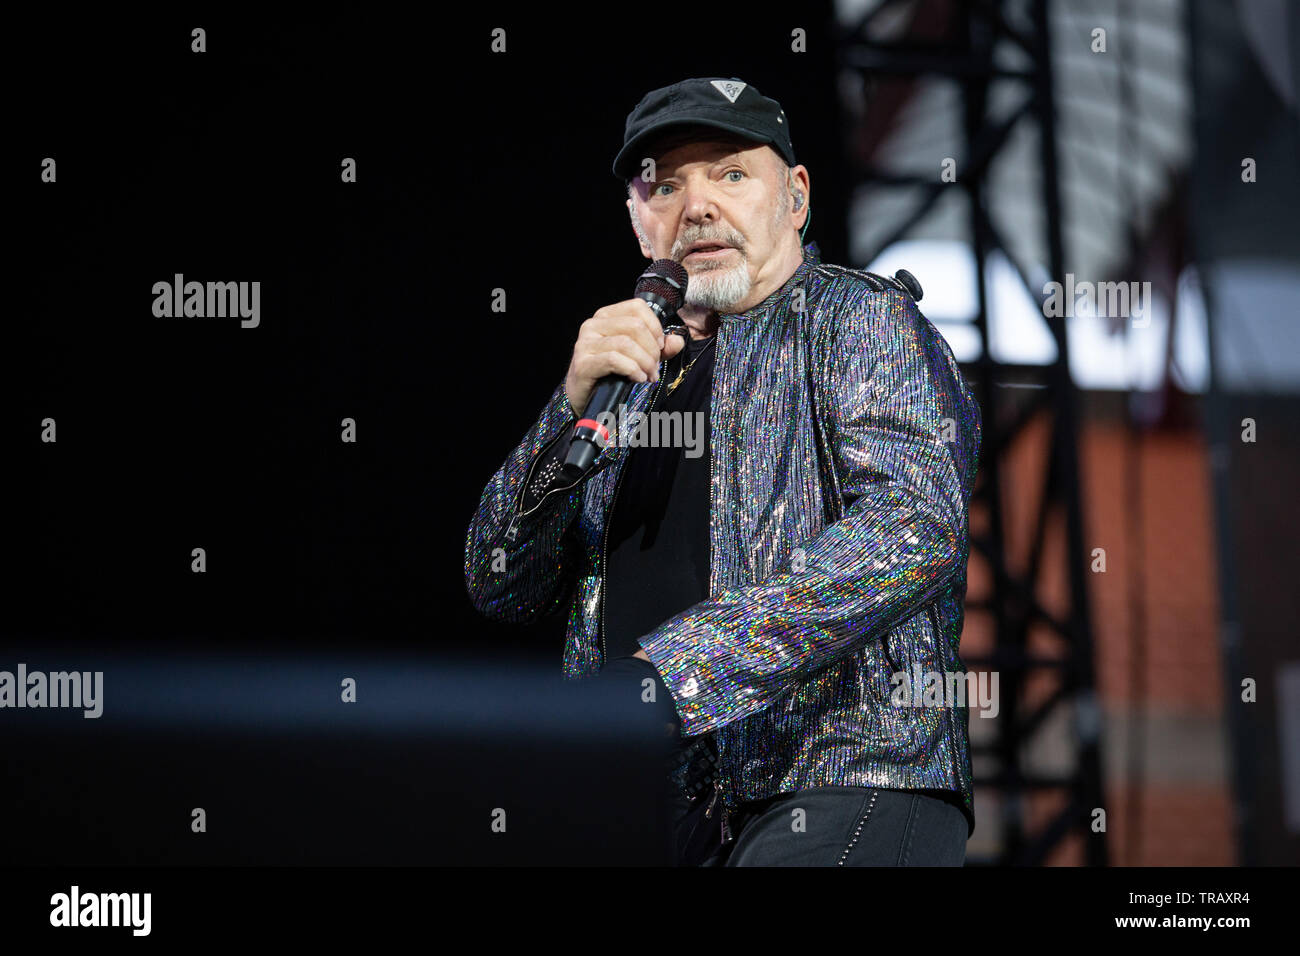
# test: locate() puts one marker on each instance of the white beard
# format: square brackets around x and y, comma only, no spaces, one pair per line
[718,289]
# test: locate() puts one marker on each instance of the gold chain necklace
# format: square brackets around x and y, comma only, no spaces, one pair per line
[682,374]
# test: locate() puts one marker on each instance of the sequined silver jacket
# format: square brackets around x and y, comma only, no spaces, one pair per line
[844,450]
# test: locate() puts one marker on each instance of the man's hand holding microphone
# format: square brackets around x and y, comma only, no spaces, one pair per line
[626,339]
[621,344]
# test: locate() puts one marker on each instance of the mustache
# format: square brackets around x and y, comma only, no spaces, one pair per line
[728,236]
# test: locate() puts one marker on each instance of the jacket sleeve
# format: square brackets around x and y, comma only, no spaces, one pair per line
[519,555]
[903,433]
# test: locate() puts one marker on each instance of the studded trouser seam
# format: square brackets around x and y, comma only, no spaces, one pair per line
[858,830]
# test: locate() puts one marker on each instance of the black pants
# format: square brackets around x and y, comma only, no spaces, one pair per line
[831,826]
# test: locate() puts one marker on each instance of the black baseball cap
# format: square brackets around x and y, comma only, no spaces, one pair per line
[726,104]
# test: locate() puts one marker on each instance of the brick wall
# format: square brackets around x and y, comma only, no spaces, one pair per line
[1147,504]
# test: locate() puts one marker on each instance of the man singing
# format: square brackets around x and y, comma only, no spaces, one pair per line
[780,587]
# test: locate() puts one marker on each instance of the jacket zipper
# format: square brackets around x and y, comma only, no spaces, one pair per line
[717,800]
[609,518]
[717,785]
[934,623]
[824,453]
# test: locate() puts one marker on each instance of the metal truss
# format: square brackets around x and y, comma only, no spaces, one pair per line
[1016,603]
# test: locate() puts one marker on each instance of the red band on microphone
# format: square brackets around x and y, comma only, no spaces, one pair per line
[592,423]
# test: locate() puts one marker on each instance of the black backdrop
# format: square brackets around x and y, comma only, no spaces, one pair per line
[475,170]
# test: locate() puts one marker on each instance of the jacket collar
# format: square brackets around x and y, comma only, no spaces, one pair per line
[811,259]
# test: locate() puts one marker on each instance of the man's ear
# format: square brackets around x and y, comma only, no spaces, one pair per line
[799,183]
[641,237]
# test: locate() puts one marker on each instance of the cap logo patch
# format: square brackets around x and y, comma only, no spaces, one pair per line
[729,89]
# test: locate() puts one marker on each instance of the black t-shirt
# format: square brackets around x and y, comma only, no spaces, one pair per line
[658,559]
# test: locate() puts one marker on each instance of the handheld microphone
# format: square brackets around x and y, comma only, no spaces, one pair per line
[663,287]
